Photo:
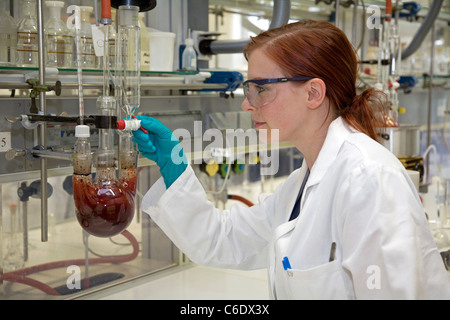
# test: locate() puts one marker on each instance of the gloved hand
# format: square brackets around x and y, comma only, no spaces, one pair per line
[161,146]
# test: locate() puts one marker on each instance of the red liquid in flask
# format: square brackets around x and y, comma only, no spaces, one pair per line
[105,209]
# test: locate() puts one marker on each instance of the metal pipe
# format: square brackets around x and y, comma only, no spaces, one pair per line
[13,153]
[423,30]
[43,127]
[52,155]
[337,13]
[15,85]
[430,101]
[354,24]
[281,13]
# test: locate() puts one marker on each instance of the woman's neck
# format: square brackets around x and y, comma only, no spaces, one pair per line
[313,139]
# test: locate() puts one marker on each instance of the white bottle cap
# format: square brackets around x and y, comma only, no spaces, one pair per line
[82,131]
[189,42]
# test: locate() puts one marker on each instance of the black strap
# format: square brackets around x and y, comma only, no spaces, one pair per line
[296,209]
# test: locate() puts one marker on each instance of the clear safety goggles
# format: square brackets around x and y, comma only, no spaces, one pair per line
[260,92]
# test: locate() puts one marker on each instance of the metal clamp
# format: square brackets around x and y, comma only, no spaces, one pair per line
[38,88]
[13,153]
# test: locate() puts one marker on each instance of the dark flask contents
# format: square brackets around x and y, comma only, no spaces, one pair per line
[105,207]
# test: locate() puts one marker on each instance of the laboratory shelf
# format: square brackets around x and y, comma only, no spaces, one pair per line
[12,77]
[17,69]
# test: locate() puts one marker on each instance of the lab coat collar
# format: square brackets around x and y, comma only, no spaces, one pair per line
[338,131]
[336,135]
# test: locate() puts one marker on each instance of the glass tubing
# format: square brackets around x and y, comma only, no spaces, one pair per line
[105,207]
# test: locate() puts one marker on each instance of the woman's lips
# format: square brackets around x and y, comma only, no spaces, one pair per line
[258,124]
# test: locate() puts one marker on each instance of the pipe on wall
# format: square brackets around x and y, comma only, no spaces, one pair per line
[280,16]
[43,127]
[424,29]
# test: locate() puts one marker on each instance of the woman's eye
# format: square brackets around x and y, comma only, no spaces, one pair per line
[260,89]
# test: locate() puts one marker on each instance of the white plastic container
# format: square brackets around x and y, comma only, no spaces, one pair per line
[162,47]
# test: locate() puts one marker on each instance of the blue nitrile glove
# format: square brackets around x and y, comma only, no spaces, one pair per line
[162,146]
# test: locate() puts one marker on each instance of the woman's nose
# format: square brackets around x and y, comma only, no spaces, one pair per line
[246,106]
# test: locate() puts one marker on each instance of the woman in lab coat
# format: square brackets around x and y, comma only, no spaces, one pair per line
[348,224]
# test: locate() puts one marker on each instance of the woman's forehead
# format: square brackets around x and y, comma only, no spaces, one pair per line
[260,66]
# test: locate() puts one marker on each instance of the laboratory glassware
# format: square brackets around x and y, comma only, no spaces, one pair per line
[27,36]
[59,39]
[109,51]
[14,257]
[88,58]
[128,60]
[8,35]
[104,205]
[189,57]
[145,44]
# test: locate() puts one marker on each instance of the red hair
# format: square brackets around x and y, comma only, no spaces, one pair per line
[321,50]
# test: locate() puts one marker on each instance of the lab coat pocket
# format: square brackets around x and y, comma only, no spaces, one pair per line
[321,282]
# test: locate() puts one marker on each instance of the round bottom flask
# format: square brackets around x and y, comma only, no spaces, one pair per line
[105,208]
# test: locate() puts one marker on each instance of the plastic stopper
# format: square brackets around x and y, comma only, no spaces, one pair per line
[82,131]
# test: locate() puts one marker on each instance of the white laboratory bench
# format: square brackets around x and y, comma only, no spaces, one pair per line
[191,282]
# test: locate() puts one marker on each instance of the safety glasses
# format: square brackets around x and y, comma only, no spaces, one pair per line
[260,92]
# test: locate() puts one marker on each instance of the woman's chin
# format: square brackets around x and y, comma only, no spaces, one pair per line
[268,135]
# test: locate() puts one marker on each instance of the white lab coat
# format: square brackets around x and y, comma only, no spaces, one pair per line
[358,195]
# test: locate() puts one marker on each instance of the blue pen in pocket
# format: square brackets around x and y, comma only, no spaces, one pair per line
[287,266]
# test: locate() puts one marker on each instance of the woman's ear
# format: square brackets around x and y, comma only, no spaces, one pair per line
[316,92]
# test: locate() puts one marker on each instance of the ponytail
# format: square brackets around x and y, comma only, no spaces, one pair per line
[367,112]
